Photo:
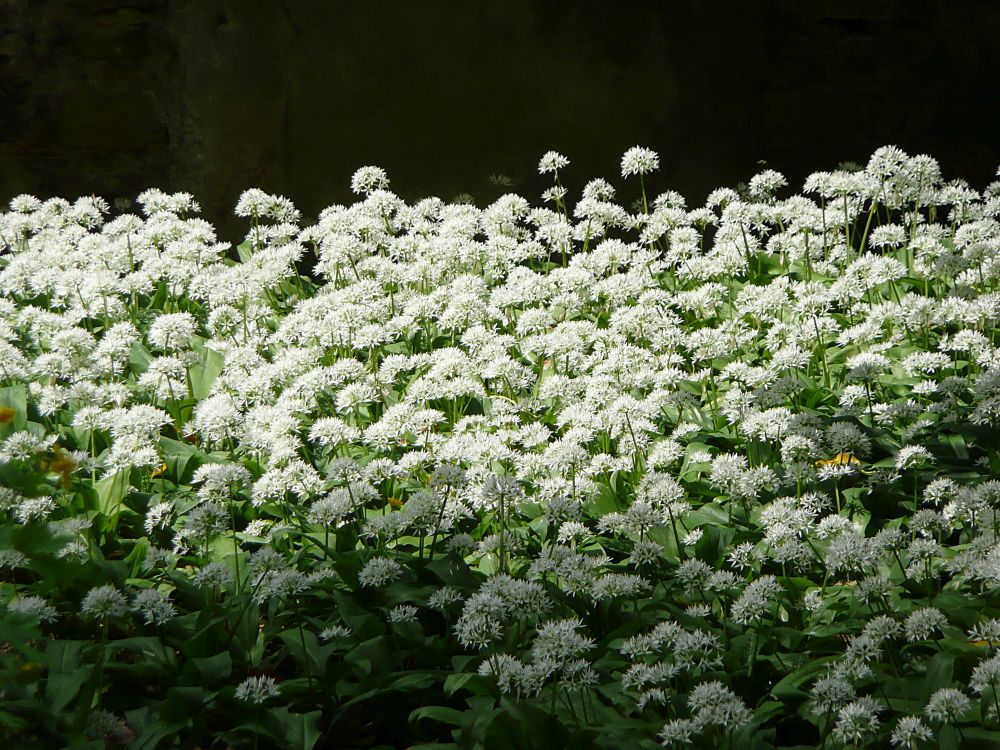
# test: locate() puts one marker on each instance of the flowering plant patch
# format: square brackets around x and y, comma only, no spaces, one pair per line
[590,474]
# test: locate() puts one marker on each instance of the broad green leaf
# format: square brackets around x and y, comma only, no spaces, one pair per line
[441,714]
[139,358]
[111,492]
[939,673]
[66,674]
[949,738]
[154,734]
[477,684]
[215,669]
[202,376]
[301,731]
[181,458]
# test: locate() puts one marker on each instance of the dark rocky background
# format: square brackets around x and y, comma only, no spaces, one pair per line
[213,96]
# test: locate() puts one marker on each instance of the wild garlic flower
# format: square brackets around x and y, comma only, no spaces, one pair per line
[332,510]
[35,509]
[154,606]
[552,162]
[923,622]
[910,730]
[618,585]
[857,720]
[987,630]
[986,675]
[947,705]
[403,613]
[679,732]
[332,632]
[257,689]
[639,160]
[379,571]
[866,366]
[104,602]
[219,480]
[714,703]
[444,597]
[558,641]
[171,332]
[158,516]
[204,522]
[755,601]
[212,575]
[11,559]
[33,606]
[369,179]
[21,446]
[763,184]
[830,693]
[910,456]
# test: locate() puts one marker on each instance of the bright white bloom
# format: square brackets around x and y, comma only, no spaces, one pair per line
[922,623]
[154,606]
[947,705]
[379,571]
[172,331]
[910,456]
[369,179]
[33,606]
[104,602]
[857,720]
[552,162]
[909,731]
[639,160]
[257,689]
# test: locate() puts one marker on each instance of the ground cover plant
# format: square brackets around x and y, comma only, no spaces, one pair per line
[585,474]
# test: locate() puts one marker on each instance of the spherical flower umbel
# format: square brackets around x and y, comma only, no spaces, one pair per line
[765,183]
[444,597]
[866,366]
[678,732]
[379,571]
[257,689]
[715,703]
[923,622]
[552,162]
[910,456]
[856,720]
[947,705]
[154,606]
[172,331]
[33,606]
[334,631]
[212,575]
[104,602]
[910,730]
[639,160]
[369,179]
[403,613]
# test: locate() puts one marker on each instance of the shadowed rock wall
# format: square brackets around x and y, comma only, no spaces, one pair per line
[213,96]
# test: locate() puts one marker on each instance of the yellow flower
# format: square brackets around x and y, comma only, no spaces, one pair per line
[841,459]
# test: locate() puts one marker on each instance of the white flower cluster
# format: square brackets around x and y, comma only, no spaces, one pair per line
[763,409]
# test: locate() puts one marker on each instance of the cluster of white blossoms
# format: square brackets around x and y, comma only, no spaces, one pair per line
[742,418]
